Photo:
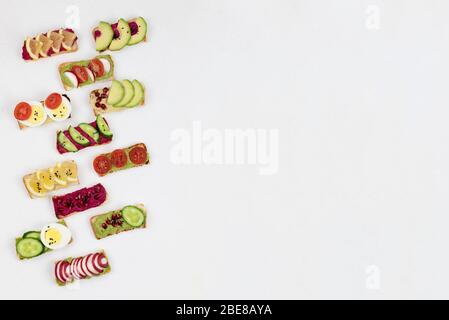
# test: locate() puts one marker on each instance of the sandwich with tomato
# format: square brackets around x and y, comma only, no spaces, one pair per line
[85,72]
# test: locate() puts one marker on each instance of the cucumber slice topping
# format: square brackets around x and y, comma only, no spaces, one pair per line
[103,127]
[66,143]
[32,235]
[116,92]
[90,131]
[133,216]
[29,248]
[78,137]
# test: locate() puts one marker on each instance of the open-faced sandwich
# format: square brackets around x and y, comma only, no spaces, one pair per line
[113,222]
[55,108]
[85,72]
[68,270]
[121,95]
[118,35]
[78,201]
[49,44]
[84,135]
[40,183]
[121,159]
[52,236]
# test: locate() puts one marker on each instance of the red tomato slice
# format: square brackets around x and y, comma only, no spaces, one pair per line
[119,158]
[22,111]
[102,165]
[53,101]
[80,73]
[138,155]
[96,66]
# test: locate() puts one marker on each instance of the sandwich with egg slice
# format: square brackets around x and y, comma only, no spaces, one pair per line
[55,108]
[51,237]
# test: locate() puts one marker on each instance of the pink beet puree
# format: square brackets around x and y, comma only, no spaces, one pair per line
[134,27]
[25,54]
[80,200]
[102,140]
[116,32]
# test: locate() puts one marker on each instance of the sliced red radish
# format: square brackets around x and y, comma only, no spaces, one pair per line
[68,271]
[72,78]
[63,272]
[72,269]
[75,269]
[64,275]
[84,267]
[91,74]
[78,268]
[102,261]
[95,262]
[58,272]
[106,65]
[91,266]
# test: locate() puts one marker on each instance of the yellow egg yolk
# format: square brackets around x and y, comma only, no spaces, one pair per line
[60,112]
[52,236]
[37,115]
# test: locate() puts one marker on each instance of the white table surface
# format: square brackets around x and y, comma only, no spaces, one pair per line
[358,207]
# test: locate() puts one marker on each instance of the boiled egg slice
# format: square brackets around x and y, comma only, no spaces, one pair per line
[62,112]
[38,115]
[55,236]
[106,65]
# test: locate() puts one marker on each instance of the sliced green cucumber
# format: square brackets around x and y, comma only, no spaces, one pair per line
[90,131]
[66,143]
[29,248]
[78,137]
[116,92]
[133,216]
[128,96]
[103,127]
[32,235]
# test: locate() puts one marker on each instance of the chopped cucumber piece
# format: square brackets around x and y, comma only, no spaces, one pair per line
[133,216]
[66,143]
[103,127]
[90,131]
[32,235]
[78,137]
[29,248]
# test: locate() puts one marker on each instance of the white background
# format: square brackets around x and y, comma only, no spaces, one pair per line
[363,179]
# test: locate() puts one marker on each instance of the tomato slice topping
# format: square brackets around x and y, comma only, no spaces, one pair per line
[22,111]
[119,158]
[102,165]
[80,73]
[96,66]
[53,101]
[138,155]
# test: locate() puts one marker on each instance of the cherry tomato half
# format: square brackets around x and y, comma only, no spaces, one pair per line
[80,73]
[102,165]
[119,158]
[138,155]
[22,111]
[53,101]
[96,66]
